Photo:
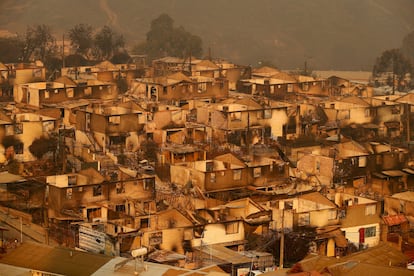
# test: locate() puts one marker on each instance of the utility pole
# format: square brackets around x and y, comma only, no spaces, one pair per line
[282,240]
[21,230]
[305,70]
[393,74]
[248,132]
[63,51]
[407,109]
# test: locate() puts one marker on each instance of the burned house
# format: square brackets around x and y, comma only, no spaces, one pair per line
[201,67]
[347,111]
[360,219]
[6,87]
[169,65]
[179,87]
[244,122]
[340,86]
[20,73]
[313,213]
[388,116]
[63,89]
[105,71]
[219,174]
[307,210]
[23,197]
[173,154]
[167,124]
[279,85]
[269,82]
[316,169]
[112,128]
[122,202]
[170,230]
[407,100]
[20,130]
[389,173]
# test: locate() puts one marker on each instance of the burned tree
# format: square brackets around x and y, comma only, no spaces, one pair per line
[11,145]
[42,145]
[150,149]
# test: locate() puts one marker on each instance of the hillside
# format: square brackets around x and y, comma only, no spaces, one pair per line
[330,34]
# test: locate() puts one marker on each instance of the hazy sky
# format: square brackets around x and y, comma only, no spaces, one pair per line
[329,34]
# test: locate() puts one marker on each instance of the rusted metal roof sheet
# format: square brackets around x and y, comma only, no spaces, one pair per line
[165,256]
[394,220]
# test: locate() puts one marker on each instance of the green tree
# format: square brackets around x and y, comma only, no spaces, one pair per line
[38,43]
[393,61]
[107,42]
[81,38]
[165,40]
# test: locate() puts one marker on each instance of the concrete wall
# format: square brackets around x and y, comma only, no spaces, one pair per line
[352,234]
[216,233]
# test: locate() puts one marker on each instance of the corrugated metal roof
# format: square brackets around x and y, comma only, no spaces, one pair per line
[349,75]
[165,256]
[408,170]
[231,159]
[56,260]
[225,254]
[394,220]
[6,177]
[265,71]
[318,198]
[380,255]
[407,98]
[3,67]
[407,196]
[394,173]
[170,60]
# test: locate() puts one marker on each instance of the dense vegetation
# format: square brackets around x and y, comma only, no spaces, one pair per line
[39,43]
[397,64]
[163,39]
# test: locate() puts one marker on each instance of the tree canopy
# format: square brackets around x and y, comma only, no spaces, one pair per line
[81,38]
[42,145]
[163,39]
[38,43]
[397,64]
[393,61]
[407,47]
[107,42]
